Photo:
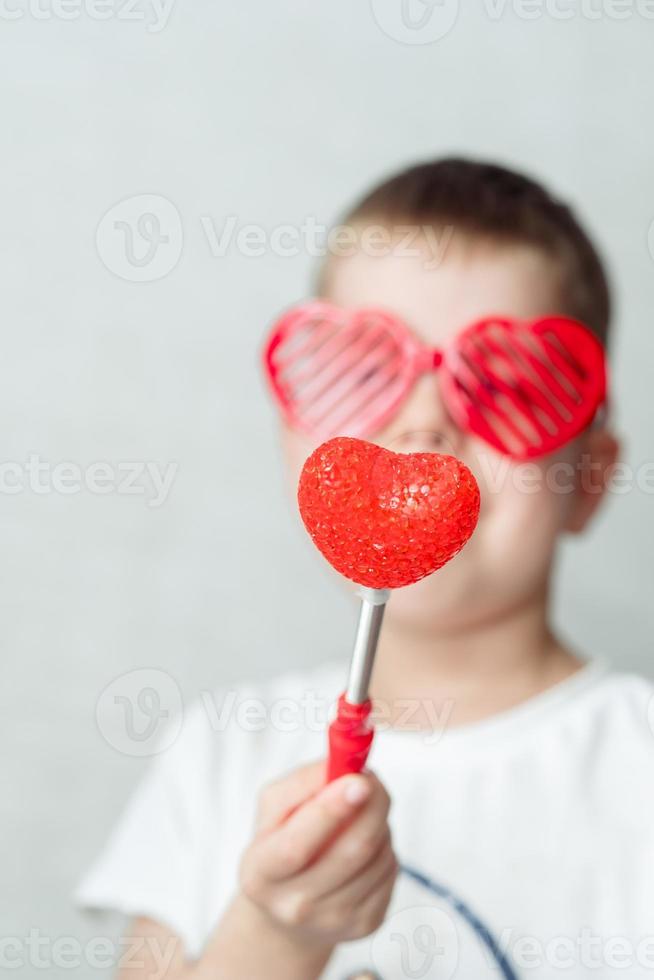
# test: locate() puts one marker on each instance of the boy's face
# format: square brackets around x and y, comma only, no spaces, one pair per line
[524,508]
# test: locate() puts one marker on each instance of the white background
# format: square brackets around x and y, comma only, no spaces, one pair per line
[270,113]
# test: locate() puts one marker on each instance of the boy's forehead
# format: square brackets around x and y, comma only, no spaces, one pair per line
[438,295]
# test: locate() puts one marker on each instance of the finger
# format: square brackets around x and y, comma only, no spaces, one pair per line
[356,890]
[362,837]
[281,797]
[291,847]
[372,909]
[352,850]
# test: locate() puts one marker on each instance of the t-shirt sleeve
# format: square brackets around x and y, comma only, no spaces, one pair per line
[146,867]
[175,852]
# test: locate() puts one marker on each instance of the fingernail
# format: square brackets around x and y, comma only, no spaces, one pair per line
[356,790]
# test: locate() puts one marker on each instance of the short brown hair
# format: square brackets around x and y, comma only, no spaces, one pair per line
[491,201]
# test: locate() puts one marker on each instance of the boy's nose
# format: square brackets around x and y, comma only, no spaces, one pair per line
[421,441]
[423,424]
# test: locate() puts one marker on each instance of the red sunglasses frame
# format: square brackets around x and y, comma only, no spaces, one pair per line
[560,363]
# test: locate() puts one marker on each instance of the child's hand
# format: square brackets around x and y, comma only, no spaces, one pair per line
[321,865]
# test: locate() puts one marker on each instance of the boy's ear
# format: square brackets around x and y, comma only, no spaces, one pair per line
[599,451]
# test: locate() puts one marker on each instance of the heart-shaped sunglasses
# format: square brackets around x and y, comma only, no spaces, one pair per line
[525,388]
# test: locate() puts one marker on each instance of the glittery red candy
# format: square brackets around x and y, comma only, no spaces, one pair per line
[386,519]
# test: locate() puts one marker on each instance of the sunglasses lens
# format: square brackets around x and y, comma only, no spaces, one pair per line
[525,389]
[336,374]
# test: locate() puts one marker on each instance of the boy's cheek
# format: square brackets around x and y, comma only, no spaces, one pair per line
[296,447]
[533,498]
[501,477]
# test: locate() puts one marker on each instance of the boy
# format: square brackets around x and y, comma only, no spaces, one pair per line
[521,833]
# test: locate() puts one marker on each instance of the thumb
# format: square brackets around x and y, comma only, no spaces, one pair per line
[281,797]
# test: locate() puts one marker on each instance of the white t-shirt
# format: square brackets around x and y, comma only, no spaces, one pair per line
[533,830]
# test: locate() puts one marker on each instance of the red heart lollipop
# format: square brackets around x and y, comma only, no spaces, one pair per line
[386,519]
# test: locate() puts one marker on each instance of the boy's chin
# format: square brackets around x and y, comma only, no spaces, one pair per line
[446,600]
